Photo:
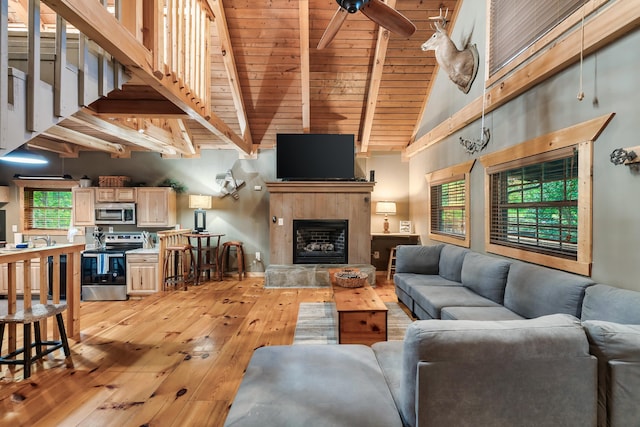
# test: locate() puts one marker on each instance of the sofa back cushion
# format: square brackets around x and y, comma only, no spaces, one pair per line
[602,302]
[418,259]
[464,341]
[451,258]
[617,348]
[485,275]
[534,291]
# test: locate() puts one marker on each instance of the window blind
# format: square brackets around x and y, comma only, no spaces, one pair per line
[448,208]
[47,209]
[535,207]
[516,24]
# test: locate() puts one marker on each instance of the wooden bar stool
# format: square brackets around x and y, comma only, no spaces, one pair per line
[34,315]
[224,257]
[183,270]
[391,268]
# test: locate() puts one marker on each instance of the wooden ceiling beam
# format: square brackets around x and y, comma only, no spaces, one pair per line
[115,128]
[62,149]
[379,58]
[99,25]
[229,60]
[305,75]
[181,133]
[69,135]
[137,108]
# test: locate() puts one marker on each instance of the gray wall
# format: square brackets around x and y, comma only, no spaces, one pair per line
[610,85]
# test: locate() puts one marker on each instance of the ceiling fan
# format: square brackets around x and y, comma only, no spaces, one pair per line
[376,10]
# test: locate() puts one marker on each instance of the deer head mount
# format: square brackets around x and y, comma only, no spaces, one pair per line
[460,65]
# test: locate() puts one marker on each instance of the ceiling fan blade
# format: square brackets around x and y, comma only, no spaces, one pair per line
[333,27]
[388,17]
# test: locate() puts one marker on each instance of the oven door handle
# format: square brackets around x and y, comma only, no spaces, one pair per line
[95,255]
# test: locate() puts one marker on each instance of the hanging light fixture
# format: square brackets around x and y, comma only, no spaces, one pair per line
[23,156]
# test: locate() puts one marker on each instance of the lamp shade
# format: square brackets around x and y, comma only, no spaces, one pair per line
[4,193]
[199,202]
[386,208]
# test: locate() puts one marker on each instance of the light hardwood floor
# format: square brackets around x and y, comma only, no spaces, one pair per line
[172,359]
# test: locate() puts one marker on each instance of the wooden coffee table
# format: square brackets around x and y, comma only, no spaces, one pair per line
[361,315]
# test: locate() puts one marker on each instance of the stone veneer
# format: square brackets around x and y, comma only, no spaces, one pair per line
[309,275]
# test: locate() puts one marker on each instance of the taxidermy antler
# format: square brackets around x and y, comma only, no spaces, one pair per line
[460,65]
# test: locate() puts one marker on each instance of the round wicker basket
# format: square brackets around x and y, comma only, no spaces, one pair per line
[351,279]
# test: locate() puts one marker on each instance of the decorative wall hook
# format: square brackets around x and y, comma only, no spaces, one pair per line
[472,146]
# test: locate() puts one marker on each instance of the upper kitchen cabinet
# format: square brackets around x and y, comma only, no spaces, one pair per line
[83,207]
[156,207]
[115,194]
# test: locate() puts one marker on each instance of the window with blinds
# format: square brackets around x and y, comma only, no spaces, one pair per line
[448,209]
[517,24]
[47,209]
[535,206]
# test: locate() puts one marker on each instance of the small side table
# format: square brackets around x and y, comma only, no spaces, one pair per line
[206,254]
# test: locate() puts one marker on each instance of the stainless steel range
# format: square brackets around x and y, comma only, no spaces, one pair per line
[104,270]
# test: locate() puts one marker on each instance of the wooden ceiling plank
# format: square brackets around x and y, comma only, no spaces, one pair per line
[63,149]
[137,108]
[182,134]
[69,135]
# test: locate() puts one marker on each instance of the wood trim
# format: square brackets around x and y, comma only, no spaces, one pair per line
[581,136]
[319,187]
[442,176]
[611,24]
[305,67]
[585,131]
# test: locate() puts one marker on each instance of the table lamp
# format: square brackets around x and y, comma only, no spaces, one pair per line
[199,203]
[386,209]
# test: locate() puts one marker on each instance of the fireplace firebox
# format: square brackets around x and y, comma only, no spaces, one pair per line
[320,241]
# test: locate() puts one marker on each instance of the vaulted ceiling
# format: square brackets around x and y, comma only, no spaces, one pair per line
[265,69]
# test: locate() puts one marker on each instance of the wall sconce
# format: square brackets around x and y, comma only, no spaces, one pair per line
[199,203]
[386,209]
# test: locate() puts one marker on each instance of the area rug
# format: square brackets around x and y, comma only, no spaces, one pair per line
[316,324]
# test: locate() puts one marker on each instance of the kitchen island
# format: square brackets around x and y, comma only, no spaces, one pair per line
[15,260]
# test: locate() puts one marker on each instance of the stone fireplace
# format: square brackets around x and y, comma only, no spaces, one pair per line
[318,241]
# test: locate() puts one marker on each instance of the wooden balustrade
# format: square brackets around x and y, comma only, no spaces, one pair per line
[25,258]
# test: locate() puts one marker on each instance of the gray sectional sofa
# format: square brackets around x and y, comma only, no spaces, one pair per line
[502,343]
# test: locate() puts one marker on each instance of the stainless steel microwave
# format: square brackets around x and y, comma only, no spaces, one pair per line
[115,213]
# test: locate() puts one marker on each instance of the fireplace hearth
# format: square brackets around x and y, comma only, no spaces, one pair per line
[319,241]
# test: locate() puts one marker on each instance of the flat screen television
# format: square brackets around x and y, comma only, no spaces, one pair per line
[315,157]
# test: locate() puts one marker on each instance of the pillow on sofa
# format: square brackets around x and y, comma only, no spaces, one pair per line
[418,259]
[485,275]
[602,302]
[451,258]
[618,383]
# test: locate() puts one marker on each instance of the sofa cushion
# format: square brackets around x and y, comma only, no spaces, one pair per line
[549,337]
[485,275]
[534,291]
[433,298]
[406,281]
[418,259]
[617,348]
[389,355]
[478,313]
[602,302]
[451,258]
[319,385]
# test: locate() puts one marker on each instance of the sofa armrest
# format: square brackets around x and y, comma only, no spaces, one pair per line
[536,392]
[418,259]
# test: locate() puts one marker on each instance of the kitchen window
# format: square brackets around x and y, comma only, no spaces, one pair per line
[449,204]
[46,205]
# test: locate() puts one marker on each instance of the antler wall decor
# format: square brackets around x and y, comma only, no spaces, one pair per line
[460,65]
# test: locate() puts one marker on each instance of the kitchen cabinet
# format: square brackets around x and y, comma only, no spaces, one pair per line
[35,278]
[83,207]
[142,274]
[115,194]
[156,207]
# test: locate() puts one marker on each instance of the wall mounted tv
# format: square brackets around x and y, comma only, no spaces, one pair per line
[315,157]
